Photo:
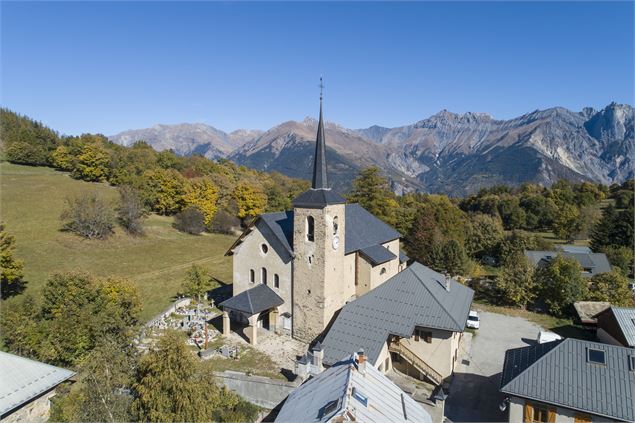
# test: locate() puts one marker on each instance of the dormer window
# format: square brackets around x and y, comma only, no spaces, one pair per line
[595,356]
[310,228]
[330,408]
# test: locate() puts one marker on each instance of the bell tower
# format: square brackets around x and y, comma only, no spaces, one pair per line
[319,225]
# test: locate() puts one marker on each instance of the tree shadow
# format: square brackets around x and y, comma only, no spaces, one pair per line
[8,290]
[475,398]
[575,331]
[221,293]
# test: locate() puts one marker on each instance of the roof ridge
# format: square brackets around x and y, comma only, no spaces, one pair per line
[435,298]
[251,306]
[560,342]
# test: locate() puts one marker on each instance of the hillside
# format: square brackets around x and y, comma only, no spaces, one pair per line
[32,199]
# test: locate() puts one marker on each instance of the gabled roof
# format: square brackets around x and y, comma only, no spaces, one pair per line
[596,262]
[377,254]
[254,300]
[625,319]
[318,198]
[413,297]
[368,397]
[362,230]
[24,379]
[573,248]
[558,373]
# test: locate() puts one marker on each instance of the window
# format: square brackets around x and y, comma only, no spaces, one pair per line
[264,248]
[263,276]
[534,413]
[595,356]
[276,281]
[310,228]
[382,271]
[359,396]
[335,225]
[252,276]
[631,362]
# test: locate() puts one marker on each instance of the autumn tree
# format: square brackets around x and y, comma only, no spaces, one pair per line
[93,164]
[12,269]
[611,287]
[515,282]
[484,233]
[250,200]
[131,210]
[197,282]
[89,216]
[173,387]
[63,158]
[372,191]
[620,258]
[567,221]
[162,190]
[560,284]
[202,194]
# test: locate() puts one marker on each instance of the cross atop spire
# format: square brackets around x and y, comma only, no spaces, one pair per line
[319,180]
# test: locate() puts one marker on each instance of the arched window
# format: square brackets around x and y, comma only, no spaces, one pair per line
[382,271]
[276,281]
[263,276]
[335,225]
[252,276]
[310,228]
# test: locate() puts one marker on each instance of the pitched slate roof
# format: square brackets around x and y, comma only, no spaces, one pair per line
[346,388]
[254,300]
[318,198]
[377,254]
[597,262]
[362,230]
[558,373]
[413,297]
[24,379]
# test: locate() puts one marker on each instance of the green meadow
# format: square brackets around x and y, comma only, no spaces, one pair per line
[31,201]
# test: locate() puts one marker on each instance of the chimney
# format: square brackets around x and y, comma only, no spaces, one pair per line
[361,361]
[301,367]
[318,356]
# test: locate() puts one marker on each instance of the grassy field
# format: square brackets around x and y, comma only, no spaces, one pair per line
[31,201]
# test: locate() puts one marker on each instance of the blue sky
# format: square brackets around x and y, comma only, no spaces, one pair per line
[110,66]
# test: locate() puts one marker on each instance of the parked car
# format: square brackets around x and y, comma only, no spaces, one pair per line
[473,321]
[546,336]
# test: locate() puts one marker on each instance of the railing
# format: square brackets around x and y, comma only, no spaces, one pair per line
[415,361]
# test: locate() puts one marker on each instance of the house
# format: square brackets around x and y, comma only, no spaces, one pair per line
[569,381]
[587,310]
[413,321]
[616,326]
[26,388]
[351,390]
[304,265]
[591,263]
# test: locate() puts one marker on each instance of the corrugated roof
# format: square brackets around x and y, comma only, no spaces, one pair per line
[413,297]
[558,373]
[573,248]
[377,254]
[346,388]
[22,379]
[596,262]
[626,320]
[403,257]
[254,300]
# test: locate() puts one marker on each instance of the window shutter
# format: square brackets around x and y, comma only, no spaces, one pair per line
[529,414]
[551,415]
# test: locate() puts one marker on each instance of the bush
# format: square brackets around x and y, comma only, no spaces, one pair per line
[190,220]
[131,210]
[28,154]
[88,215]
[224,223]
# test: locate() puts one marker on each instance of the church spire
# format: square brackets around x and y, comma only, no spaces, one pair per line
[319,162]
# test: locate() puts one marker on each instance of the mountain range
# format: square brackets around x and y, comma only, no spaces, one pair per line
[448,152]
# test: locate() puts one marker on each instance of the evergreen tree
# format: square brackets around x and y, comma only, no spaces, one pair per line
[12,269]
[197,282]
[455,260]
[372,191]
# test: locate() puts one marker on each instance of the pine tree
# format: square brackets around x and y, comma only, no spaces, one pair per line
[372,191]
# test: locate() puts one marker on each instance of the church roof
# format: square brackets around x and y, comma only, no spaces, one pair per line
[377,254]
[254,300]
[318,198]
[416,296]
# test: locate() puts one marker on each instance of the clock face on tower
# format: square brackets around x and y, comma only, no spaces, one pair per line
[336,242]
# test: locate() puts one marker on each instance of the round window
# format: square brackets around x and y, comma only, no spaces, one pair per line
[264,248]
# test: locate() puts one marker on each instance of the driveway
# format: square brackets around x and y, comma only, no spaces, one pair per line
[474,395]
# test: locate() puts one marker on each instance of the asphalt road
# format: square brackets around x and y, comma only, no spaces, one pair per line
[474,395]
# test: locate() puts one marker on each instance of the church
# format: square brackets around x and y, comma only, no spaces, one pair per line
[294,270]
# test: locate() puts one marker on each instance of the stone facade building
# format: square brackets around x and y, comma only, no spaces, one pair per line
[311,260]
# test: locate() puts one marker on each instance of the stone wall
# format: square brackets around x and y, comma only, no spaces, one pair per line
[259,390]
[35,411]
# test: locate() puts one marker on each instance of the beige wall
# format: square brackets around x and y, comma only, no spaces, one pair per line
[324,278]
[384,363]
[248,255]
[369,277]
[35,411]
[440,353]
[563,415]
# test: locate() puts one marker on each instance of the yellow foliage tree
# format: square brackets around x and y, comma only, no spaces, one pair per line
[203,194]
[62,158]
[93,164]
[163,190]
[250,200]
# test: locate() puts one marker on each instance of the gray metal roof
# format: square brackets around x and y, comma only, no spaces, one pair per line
[22,379]
[320,173]
[403,257]
[596,262]
[625,318]
[377,254]
[415,296]
[558,373]
[318,198]
[277,228]
[573,248]
[254,300]
[345,387]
